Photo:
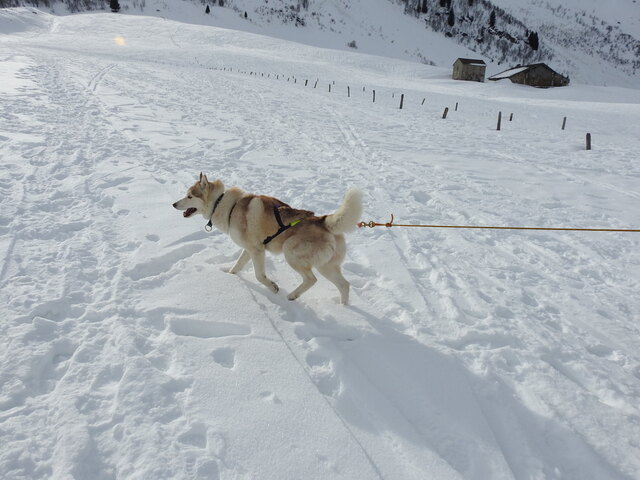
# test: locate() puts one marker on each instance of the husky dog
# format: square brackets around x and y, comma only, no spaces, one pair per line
[258,223]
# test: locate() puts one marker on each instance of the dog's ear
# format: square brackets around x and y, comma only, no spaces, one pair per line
[203,180]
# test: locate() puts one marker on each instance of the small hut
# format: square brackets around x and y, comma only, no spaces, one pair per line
[469,69]
[535,75]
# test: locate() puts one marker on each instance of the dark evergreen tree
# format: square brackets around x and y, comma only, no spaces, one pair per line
[533,41]
[451,19]
[424,6]
[208,10]
[443,3]
[114,5]
[221,3]
[492,19]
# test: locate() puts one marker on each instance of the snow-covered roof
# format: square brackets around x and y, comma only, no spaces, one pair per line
[472,61]
[509,73]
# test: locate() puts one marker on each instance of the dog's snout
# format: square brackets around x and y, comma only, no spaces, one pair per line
[175,205]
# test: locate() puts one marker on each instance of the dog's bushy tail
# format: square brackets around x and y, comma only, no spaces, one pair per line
[346,218]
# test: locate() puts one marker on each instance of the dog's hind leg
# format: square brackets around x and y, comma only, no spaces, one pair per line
[241,262]
[333,273]
[308,281]
[257,257]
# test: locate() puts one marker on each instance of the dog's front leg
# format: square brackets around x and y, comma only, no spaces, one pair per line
[241,262]
[257,257]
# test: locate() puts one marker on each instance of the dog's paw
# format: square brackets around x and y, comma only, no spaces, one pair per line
[292,296]
[274,287]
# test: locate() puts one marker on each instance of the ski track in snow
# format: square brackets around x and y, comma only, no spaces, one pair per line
[128,353]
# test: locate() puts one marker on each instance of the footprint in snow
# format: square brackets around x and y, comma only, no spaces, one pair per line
[224,357]
[47,367]
[195,436]
[600,350]
[208,470]
[201,444]
[270,397]
[191,327]
[504,312]
[421,197]
[116,182]
[529,300]
[323,374]
[164,263]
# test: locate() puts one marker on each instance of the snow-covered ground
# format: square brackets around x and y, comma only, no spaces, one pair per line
[127,352]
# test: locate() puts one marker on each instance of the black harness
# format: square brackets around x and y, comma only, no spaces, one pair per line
[230,212]
[283,228]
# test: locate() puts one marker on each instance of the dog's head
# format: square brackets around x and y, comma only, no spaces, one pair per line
[200,197]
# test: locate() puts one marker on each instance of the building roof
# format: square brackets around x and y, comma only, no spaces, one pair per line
[472,61]
[508,73]
[515,70]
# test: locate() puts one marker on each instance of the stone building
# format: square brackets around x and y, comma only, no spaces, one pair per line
[469,69]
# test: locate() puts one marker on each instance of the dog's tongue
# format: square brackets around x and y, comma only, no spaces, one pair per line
[188,212]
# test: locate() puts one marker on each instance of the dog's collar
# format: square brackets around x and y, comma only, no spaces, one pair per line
[209,226]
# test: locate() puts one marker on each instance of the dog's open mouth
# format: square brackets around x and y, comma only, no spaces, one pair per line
[189,211]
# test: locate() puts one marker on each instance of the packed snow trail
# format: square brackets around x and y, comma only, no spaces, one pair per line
[127,352]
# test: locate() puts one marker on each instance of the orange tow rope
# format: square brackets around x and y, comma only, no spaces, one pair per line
[372,224]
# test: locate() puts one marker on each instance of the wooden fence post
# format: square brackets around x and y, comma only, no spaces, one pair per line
[499,120]
[564,122]
[374,96]
[511,117]
[588,141]
[446,110]
[401,101]
[456,106]
[423,101]
[348,91]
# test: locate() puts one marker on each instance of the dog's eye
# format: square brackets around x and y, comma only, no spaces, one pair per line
[189,196]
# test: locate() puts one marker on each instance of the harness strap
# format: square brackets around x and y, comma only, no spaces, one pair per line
[282,228]
[230,212]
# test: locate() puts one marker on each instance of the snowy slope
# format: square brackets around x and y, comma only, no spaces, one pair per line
[592,42]
[127,352]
